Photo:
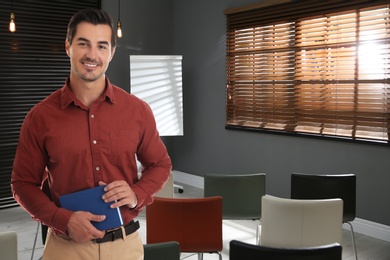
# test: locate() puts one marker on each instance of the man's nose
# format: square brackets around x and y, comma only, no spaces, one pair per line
[92,53]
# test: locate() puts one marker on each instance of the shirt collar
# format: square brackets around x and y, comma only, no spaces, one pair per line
[67,96]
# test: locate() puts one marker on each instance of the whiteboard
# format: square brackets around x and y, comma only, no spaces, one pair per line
[157,79]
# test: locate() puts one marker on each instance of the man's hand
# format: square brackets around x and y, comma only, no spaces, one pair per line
[121,193]
[80,228]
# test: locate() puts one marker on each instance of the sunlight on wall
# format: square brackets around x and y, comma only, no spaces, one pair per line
[158,81]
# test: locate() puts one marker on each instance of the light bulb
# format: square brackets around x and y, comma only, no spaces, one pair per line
[12,26]
[119,30]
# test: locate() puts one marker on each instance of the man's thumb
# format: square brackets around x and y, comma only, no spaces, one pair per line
[98,218]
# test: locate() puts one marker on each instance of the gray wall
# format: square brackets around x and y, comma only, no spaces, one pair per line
[196,30]
[147,30]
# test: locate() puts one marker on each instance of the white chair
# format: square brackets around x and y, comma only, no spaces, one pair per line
[8,245]
[296,223]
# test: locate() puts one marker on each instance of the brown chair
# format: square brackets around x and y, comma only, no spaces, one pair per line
[195,223]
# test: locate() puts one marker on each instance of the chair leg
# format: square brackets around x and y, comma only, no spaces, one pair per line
[353,240]
[35,241]
[257,232]
[200,255]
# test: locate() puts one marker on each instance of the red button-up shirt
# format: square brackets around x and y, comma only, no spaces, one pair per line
[81,146]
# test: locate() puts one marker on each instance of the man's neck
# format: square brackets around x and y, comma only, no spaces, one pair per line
[87,92]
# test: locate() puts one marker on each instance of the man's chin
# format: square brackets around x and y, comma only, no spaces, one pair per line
[91,78]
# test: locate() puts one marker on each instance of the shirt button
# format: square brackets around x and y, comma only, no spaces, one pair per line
[92,116]
[94,142]
[97,168]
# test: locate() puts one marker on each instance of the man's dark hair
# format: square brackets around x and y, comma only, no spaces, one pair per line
[93,16]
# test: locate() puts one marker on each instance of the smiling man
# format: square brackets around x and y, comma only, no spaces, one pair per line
[87,134]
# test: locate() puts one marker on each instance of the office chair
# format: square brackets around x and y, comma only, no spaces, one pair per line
[241,250]
[300,223]
[241,194]
[325,186]
[165,250]
[9,245]
[195,223]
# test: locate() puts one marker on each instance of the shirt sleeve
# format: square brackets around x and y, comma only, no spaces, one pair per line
[156,163]
[27,177]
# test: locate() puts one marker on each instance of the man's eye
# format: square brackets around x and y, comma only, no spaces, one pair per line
[103,47]
[82,44]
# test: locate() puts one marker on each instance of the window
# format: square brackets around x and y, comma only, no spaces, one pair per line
[312,68]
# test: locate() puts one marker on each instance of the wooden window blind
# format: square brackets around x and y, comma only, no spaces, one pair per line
[312,68]
[33,64]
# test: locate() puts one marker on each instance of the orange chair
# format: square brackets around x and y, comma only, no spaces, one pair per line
[196,223]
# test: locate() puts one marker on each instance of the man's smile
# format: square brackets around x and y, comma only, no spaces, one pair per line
[90,65]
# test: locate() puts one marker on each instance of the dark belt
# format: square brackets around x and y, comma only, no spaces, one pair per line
[117,233]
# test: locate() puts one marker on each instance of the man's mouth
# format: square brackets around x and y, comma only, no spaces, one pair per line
[90,65]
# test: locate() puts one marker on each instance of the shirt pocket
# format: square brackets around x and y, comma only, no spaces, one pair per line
[123,145]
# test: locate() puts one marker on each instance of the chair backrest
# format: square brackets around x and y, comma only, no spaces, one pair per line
[300,223]
[240,250]
[165,250]
[196,223]
[8,245]
[327,186]
[241,193]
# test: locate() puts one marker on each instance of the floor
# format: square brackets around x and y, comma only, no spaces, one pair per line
[18,220]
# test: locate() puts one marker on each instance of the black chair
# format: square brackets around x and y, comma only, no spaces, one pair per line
[326,186]
[164,250]
[241,250]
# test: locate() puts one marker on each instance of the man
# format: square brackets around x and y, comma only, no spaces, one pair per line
[86,134]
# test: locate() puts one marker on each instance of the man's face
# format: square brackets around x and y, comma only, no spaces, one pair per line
[90,52]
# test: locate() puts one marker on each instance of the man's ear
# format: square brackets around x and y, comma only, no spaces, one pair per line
[67,46]
[113,52]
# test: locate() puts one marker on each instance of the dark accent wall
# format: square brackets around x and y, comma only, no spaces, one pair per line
[33,63]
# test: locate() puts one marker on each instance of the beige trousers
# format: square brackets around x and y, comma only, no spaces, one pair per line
[59,247]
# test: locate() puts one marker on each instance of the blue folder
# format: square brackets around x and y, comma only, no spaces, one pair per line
[91,200]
